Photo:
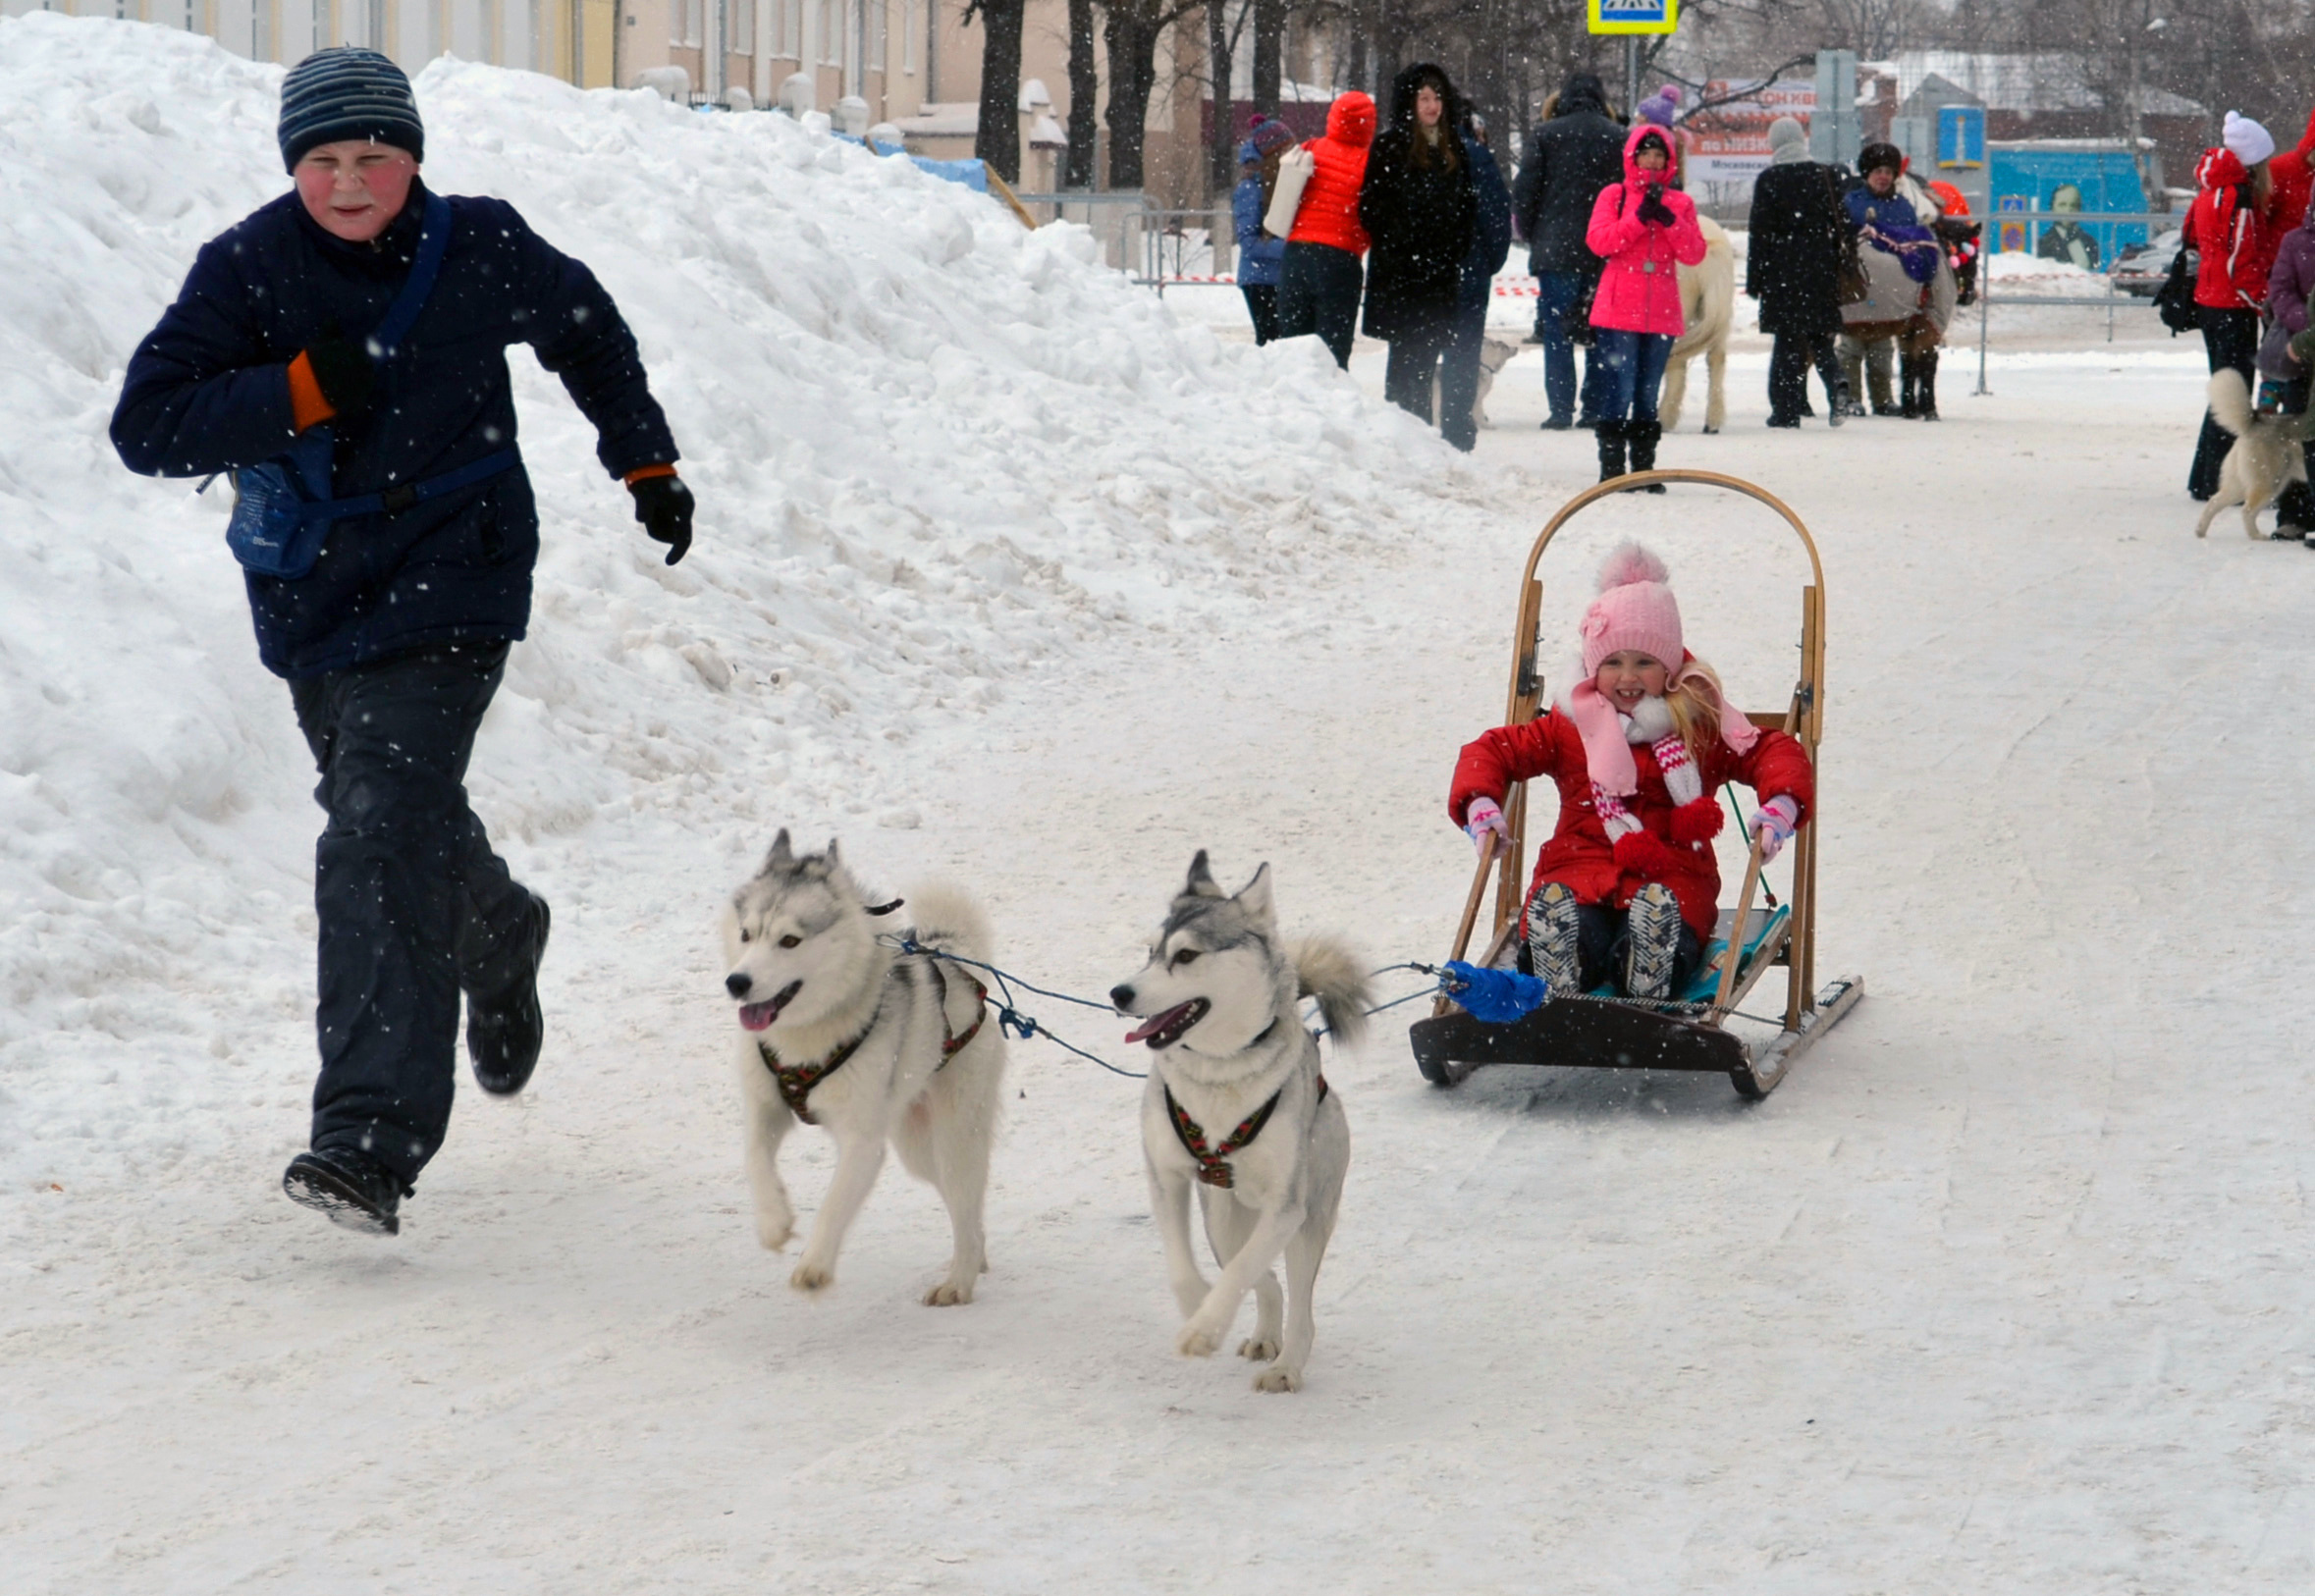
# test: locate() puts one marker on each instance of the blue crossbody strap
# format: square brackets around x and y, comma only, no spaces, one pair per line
[394,500]
[434,231]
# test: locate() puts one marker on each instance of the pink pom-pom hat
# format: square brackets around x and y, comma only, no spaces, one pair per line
[1634,610]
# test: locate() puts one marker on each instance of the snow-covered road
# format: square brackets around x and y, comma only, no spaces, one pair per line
[2005,1290]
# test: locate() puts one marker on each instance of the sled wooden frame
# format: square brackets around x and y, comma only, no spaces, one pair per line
[1603,1032]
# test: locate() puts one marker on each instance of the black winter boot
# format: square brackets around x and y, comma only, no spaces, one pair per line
[504,1029]
[1909,402]
[1927,397]
[1642,436]
[347,1188]
[1611,448]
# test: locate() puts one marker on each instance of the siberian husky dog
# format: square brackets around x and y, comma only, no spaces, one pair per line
[2266,454]
[839,1029]
[1236,1103]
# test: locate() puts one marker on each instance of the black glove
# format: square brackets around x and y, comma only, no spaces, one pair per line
[663,506]
[1654,210]
[343,370]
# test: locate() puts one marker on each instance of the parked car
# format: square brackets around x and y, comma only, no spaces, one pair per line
[2142,268]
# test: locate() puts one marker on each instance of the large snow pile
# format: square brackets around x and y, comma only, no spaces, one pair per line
[933,450]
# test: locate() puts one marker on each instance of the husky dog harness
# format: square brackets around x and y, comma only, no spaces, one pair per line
[797,1081]
[1214,1166]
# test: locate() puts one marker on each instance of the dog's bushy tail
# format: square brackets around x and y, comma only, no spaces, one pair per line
[1327,970]
[2231,401]
[946,920]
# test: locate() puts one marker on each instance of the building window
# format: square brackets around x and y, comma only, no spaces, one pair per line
[831,32]
[739,26]
[787,28]
[691,22]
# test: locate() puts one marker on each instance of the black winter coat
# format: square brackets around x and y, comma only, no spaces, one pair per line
[1792,259]
[1420,221]
[208,389]
[1570,159]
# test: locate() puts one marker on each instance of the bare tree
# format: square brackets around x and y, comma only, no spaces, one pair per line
[1085,91]
[998,138]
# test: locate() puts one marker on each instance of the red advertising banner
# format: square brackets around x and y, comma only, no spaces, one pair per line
[1726,146]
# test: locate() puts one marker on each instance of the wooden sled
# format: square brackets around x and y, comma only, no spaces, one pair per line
[1597,1030]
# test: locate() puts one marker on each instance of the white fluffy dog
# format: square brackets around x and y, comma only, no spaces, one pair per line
[2267,454]
[841,1030]
[1236,1106]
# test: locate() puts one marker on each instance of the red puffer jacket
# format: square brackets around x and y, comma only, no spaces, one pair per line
[1329,211]
[1640,286]
[1579,853]
[2236,244]
[2293,172]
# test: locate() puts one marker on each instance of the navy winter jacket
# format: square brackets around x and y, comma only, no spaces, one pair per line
[208,389]
[1490,240]
[1259,254]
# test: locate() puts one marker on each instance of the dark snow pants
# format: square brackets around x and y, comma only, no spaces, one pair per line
[2231,338]
[1319,290]
[1789,360]
[2296,505]
[1459,378]
[413,903]
[1414,368]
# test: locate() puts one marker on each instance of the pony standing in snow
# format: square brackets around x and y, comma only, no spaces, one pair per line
[1626,890]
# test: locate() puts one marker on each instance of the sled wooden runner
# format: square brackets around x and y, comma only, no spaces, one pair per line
[1597,1030]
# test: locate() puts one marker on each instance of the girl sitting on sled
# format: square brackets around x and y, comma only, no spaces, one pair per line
[1628,888]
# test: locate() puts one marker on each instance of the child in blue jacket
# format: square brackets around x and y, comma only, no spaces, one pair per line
[1259,254]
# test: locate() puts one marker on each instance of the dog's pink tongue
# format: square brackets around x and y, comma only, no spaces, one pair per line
[1156,1022]
[757,1016]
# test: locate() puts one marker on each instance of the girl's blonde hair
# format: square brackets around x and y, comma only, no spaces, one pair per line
[1695,699]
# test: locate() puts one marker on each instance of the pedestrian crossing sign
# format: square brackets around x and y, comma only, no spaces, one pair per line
[1632,16]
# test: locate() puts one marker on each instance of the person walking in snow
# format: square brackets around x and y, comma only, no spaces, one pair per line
[1797,229]
[1259,253]
[291,357]
[1320,274]
[1421,212]
[1573,154]
[1491,246]
[2291,288]
[2230,226]
[1626,892]
[1644,230]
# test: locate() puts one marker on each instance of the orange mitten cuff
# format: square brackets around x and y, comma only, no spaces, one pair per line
[308,408]
[644,473]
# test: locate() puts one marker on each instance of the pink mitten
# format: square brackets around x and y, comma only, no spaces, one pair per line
[1482,816]
[1775,824]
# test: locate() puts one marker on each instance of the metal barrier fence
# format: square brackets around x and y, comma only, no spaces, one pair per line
[2134,289]
[1124,223]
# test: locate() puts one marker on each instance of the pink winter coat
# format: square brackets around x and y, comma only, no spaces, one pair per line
[1640,286]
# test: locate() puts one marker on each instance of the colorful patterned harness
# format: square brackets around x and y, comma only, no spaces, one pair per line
[797,1081]
[1214,1166]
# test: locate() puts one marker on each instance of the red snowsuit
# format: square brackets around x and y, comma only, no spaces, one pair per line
[1579,853]
[2236,244]
[1640,286]
[1329,213]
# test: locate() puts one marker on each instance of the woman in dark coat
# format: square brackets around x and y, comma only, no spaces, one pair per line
[1792,267]
[1419,209]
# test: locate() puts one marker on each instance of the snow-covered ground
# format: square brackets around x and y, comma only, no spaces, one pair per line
[1009,572]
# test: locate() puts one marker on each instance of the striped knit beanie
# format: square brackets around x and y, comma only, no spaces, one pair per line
[348,92]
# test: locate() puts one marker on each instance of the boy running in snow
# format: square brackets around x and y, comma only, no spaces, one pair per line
[393,640]
[1628,889]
